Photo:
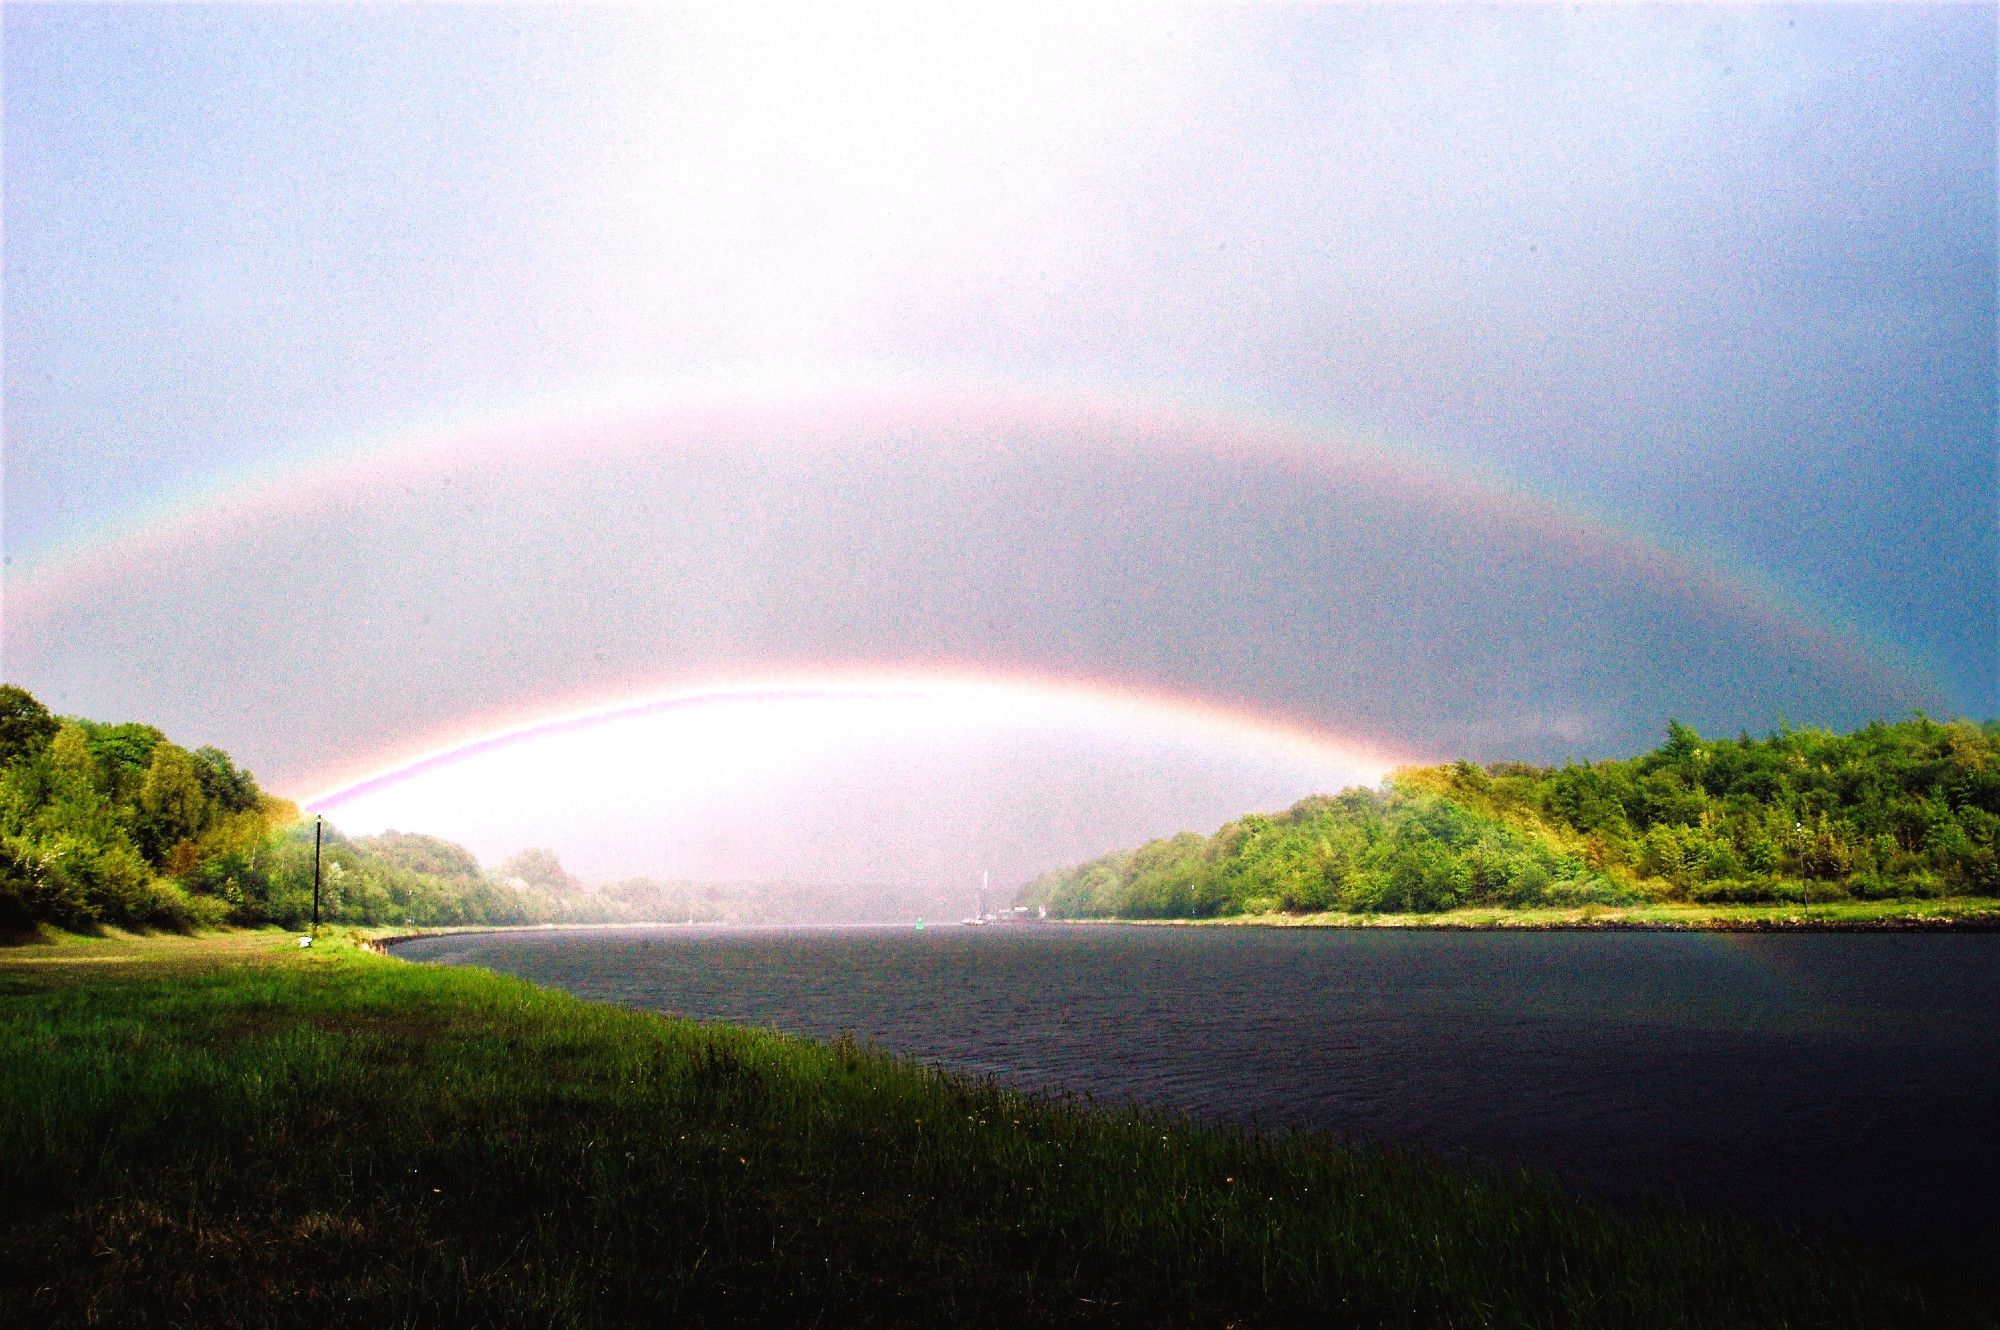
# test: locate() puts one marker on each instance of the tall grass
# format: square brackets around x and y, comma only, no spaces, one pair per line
[340,1139]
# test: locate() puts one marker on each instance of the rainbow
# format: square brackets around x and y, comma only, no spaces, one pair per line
[776,413]
[1142,709]
[602,417]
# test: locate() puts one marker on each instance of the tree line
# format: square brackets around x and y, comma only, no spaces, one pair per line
[115,824]
[1892,811]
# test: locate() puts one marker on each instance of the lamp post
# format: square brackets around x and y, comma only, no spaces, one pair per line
[317,823]
[1805,886]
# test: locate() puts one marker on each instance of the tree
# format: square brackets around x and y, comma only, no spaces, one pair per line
[76,802]
[426,854]
[223,783]
[540,868]
[25,724]
[1683,744]
[172,806]
[123,753]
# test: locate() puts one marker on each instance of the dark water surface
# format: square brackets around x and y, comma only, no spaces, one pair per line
[1842,1081]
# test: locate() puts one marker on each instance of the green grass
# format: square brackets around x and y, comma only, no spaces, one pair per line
[225,1131]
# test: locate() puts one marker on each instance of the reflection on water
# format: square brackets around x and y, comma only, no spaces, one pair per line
[1836,1080]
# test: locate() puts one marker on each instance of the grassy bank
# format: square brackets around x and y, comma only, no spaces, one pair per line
[226,1131]
[1967,912]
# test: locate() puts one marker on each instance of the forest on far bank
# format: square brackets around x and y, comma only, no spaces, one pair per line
[115,824]
[1904,810]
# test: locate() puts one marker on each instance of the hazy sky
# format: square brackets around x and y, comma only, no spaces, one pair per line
[1722,279]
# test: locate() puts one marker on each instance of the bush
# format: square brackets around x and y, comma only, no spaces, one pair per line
[1738,891]
[1874,886]
[1592,890]
[169,905]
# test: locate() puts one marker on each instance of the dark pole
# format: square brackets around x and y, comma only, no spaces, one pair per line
[316,827]
[1805,891]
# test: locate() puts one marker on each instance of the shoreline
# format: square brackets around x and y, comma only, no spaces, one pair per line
[1950,916]
[1953,915]
[1649,919]
[1982,922]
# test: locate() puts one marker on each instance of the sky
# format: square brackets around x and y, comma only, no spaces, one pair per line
[1394,383]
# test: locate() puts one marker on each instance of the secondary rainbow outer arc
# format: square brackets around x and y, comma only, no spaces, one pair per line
[1154,708]
[612,421]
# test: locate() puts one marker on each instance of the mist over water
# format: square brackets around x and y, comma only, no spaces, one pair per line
[1841,1082]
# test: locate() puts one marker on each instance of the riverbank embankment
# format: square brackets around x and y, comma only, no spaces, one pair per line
[234,1131]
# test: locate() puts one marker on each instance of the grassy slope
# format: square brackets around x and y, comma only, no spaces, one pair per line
[225,1131]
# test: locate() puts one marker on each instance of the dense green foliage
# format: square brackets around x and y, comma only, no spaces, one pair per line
[329,1138]
[116,824]
[1892,811]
